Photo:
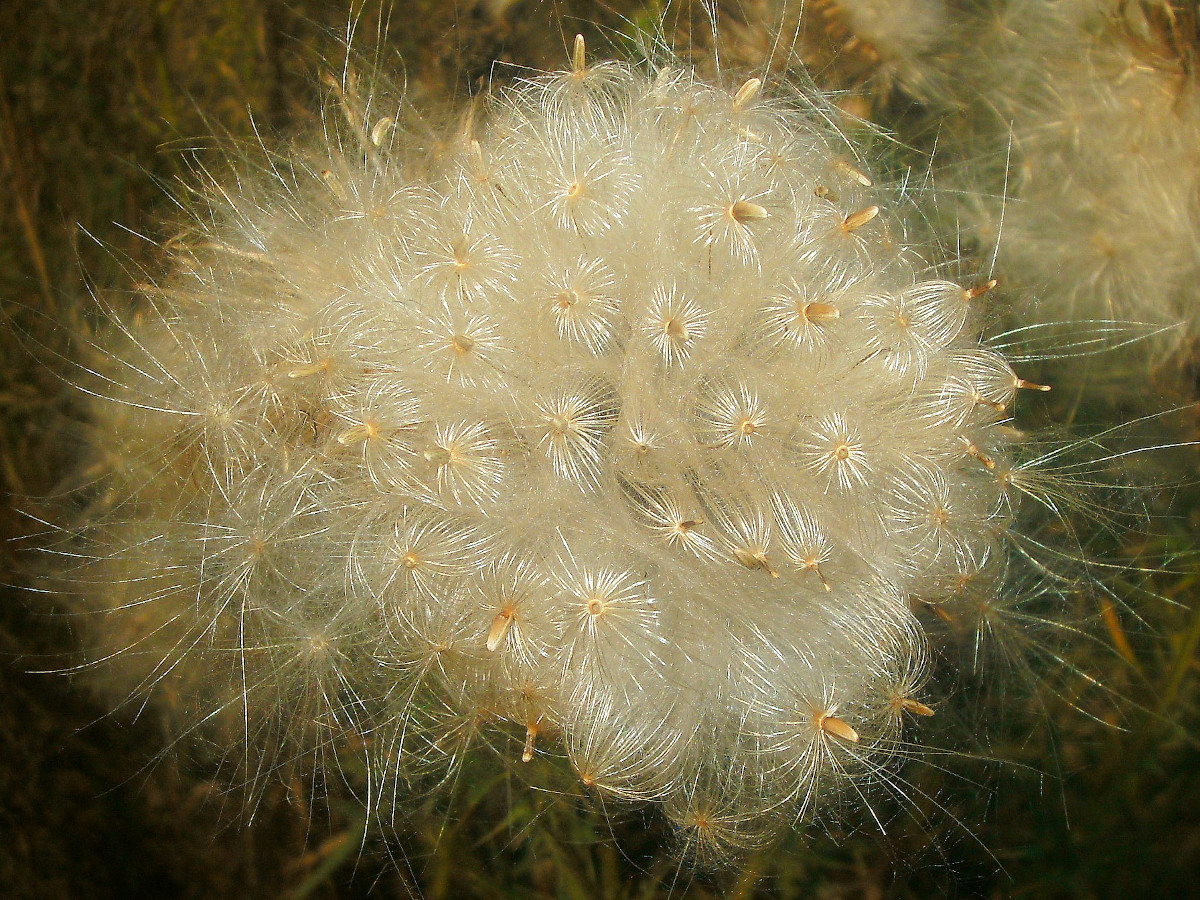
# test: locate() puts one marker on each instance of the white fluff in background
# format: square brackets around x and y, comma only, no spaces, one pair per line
[619,422]
[1069,130]
[898,31]
[1100,121]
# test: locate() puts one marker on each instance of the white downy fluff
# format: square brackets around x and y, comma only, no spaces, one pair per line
[1068,129]
[1099,120]
[621,420]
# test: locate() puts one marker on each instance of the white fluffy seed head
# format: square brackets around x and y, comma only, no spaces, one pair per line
[628,421]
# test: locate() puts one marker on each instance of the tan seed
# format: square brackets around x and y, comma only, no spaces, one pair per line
[836,727]
[500,627]
[857,220]
[746,94]
[744,211]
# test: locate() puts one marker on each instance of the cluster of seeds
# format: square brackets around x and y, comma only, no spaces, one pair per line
[619,422]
